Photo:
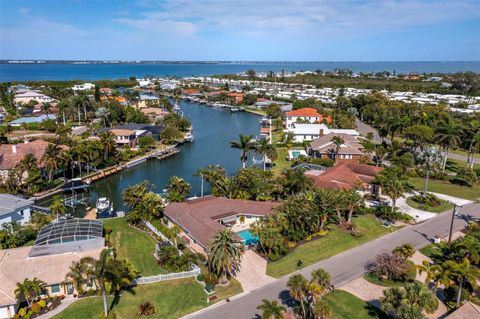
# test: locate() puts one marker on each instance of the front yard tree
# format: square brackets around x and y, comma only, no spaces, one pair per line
[297,286]
[266,150]
[410,302]
[225,255]
[271,309]
[57,207]
[29,289]
[405,251]
[245,145]
[394,183]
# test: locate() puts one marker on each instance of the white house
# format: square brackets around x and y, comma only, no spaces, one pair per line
[309,132]
[31,95]
[305,115]
[14,209]
[144,82]
[83,87]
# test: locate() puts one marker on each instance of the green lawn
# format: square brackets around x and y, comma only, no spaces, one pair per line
[445,187]
[459,152]
[281,162]
[335,242]
[254,110]
[439,209]
[344,305]
[135,245]
[454,165]
[173,299]
[384,283]
[431,251]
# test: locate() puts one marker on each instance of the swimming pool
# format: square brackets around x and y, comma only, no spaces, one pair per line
[248,238]
[295,154]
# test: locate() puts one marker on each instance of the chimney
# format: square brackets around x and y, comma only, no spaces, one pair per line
[14,148]
[321,132]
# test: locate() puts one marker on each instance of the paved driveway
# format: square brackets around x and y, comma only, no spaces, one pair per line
[343,267]
[252,272]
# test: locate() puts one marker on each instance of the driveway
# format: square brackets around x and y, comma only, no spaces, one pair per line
[252,272]
[343,267]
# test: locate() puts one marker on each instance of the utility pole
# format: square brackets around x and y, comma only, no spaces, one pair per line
[202,187]
[454,212]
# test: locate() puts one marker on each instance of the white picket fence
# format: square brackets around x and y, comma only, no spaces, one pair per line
[175,275]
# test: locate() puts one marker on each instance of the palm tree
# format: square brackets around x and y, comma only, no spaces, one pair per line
[352,199]
[81,272]
[413,299]
[295,181]
[271,309]
[288,140]
[405,251]
[322,277]
[109,144]
[244,144]
[432,273]
[177,189]
[146,308]
[266,150]
[51,159]
[29,289]
[337,142]
[297,285]
[57,207]
[448,136]
[428,157]
[321,310]
[63,105]
[45,107]
[460,273]
[225,255]
[394,183]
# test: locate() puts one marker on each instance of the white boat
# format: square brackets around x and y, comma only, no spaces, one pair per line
[189,137]
[102,204]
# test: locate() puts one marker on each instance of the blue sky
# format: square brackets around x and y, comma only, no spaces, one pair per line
[274,30]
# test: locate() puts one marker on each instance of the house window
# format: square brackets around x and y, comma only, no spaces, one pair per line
[55,289]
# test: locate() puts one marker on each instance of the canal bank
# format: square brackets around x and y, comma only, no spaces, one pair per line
[213,127]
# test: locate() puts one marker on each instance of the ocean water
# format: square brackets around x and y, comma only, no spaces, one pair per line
[24,72]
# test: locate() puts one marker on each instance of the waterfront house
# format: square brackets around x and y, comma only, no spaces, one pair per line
[236,98]
[28,96]
[346,176]
[13,154]
[201,218]
[83,87]
[57,246]
[14,209]
[305,115]
[264,104]
[154,113]
[310,132]
[147,100]
[33,119]
[350,151]
[120,99]
[124,137]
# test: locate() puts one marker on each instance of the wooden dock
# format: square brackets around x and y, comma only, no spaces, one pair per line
[91,214]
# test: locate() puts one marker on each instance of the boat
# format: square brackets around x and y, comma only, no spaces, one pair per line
[235,109]
[103,204]
[75,184]
[189,137]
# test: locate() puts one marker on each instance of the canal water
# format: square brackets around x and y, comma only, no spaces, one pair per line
[213,129]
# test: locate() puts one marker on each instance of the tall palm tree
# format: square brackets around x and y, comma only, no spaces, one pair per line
[428,157]
[321,310]
[352,199]
[322,277]
[51,159]
[225,255]
[57,207]
[432,272]
[63,105]
[245,145]
[109,144]
[177,189]
[448,136]
[297,285]
[460,273]
[337,142]
[394,184]
[266,150]
[45,107]
[271,309]
[29,289]
[294,181]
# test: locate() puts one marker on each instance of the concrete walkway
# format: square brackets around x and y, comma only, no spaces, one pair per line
[65,303]
[252,272]
[454,200]
[365,290]
[417,214]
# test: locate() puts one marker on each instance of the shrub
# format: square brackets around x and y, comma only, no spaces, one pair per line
[323,162]
[36,308]
[392,215]
[465,177]
[181,246]
[201,277]
[42,303]
[428,199]
[389,266]
[146,309]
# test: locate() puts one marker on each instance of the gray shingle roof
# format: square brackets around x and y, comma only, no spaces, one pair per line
[10,203]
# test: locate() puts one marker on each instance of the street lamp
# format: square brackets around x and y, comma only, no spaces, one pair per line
[454,212]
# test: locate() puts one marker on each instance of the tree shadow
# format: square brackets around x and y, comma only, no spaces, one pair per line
[374,312]
[286,299]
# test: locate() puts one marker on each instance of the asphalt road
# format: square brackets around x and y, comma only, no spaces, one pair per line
[343,267]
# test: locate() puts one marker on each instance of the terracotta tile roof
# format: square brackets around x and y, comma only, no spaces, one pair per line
[9,159]
[345,176]
[197,217]
[324,144]
[120,99]
[153,110]
[15,266]
[189,91]
[306,111]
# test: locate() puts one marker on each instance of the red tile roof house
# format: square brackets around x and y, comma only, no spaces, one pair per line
[346,176]
[350,151]
[201,218]
[306,114]
[236,98]
[12,154]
